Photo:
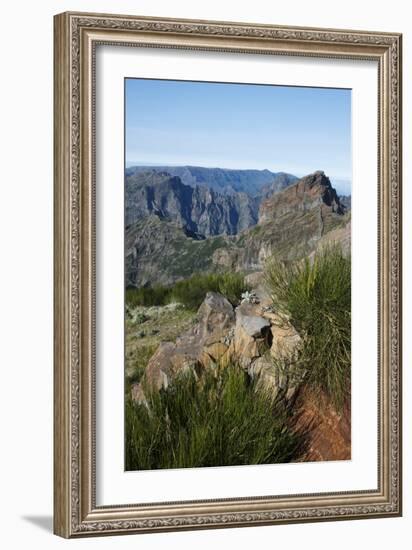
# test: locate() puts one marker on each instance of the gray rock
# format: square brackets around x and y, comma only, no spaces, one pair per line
[195,348]
[160,368]
[138,395]
[248,317]
[255,326]
[216,317]
[264,370]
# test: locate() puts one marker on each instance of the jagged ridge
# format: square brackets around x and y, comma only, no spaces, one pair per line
[291,224]
[199,209]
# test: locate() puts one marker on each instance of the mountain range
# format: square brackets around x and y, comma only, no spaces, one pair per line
[174,229]
[223,180]
[199,209]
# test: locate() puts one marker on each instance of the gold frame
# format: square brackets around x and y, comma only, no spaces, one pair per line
[75,39]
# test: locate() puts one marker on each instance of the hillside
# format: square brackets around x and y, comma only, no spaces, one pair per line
[199,209]
[223,180]
[291,224]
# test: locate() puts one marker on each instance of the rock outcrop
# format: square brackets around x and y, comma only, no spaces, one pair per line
[248,335]
[312,191]
[195,349]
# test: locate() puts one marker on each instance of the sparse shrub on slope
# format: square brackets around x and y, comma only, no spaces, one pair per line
[218,420]
[147,296]
[190,292]
[232,286]
[316,295]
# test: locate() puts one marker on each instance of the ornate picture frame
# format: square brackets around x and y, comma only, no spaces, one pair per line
[76,511]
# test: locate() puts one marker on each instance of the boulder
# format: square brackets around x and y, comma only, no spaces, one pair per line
[285,339]
[255,326]
[264,370]
[245,348]
[249,317]
[159,368]
[216,351]
[279,380]
[138,395]
[252,336]
[184,362]
[195,349]
[216,316]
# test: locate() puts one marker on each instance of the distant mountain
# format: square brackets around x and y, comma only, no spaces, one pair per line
[281,181]
[346,200]
[292,224]
[342,185]
[224,180]
[200,210]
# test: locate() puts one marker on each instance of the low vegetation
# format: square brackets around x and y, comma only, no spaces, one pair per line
[190,292]
[136,363]
[146,327]
[217,421]
[315,294]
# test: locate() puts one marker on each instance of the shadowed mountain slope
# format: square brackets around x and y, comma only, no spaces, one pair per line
[291,224]
[224,180]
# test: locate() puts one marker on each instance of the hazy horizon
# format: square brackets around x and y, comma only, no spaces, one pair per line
[297,130]
[342,185]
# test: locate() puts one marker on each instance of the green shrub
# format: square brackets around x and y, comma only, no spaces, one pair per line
[232,286]
[189,292]
[316,295]
[219,420]
[147,296]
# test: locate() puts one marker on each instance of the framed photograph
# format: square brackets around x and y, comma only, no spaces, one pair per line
[227,274]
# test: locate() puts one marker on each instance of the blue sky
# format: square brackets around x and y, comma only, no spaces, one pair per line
[292,129]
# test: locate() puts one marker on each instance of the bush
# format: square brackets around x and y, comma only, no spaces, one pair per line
[147,296]
[232,286]
[190,292]
[219,420]
[316,295]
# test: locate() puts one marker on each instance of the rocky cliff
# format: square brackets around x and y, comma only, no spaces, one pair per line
[162,252]
[292,224]
[308,193]
[223,180]
[199,209]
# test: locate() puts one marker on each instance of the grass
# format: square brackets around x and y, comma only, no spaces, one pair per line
[220,420]
[190,292]
[147,296]
[146,327]
[138,363]
[316,296]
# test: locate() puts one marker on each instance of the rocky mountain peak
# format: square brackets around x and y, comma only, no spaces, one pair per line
[311,191]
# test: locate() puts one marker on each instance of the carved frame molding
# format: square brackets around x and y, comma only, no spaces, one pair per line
[76,36]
